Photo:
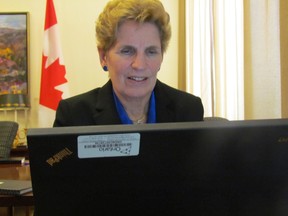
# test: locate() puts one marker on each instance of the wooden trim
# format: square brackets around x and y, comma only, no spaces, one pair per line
[182,47]
[284,55]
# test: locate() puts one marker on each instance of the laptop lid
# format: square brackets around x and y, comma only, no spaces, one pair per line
[192,168]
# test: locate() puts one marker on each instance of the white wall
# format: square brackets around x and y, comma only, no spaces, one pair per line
[77,23]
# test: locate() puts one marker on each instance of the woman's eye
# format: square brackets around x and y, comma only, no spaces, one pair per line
[127,51]
[152,51]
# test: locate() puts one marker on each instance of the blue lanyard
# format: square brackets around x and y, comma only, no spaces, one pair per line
[124,117]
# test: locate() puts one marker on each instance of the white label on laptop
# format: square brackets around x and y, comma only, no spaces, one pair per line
[108,145]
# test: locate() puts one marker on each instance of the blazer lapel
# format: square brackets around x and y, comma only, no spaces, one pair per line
[165,110]
[105,110]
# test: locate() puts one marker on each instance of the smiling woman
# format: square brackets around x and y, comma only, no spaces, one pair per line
[133,62]
[132,37]
[77,40]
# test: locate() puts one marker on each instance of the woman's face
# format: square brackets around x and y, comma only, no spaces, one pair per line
[134,60]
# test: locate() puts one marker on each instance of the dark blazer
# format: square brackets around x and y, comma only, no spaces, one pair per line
[97,107]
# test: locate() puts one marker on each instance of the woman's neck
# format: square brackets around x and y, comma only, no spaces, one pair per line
[137,112]
[136,109]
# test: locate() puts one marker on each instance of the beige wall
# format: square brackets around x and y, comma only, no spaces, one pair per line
[76,20]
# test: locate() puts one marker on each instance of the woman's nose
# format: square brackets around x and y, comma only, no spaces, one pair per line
[139,62]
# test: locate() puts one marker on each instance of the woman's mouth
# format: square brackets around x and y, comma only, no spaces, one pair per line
[137,79]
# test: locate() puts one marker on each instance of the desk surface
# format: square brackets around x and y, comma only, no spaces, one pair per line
[18,172]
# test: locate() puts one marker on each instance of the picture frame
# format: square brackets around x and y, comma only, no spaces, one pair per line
[14,62]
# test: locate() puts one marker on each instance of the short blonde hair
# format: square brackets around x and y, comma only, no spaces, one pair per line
[118,11]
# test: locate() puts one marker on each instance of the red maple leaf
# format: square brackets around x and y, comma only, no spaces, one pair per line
[52,76]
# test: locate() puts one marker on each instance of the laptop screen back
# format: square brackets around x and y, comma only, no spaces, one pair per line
[199,168]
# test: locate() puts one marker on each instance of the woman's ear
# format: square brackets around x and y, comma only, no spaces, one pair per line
[102,57]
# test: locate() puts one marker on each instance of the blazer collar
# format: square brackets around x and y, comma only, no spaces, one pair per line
[106,113]
[165,109]
[105,110]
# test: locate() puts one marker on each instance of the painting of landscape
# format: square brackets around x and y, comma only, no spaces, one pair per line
[13,60]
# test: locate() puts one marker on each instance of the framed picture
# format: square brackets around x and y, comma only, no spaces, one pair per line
[14,60]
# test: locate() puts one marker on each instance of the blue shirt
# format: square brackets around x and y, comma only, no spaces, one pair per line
[124,116]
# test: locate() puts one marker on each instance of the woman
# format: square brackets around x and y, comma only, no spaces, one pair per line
[132,37]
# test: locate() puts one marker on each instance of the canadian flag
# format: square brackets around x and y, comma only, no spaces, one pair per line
[54,85]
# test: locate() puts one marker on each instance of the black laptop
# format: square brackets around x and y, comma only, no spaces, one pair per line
[193,168]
